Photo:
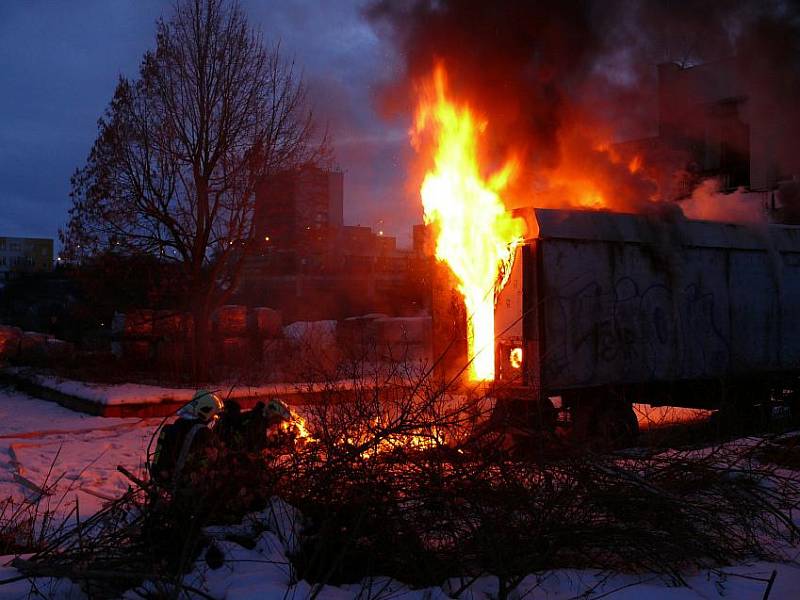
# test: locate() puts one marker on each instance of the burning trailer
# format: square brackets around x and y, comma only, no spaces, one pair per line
[603,295]
[602,310]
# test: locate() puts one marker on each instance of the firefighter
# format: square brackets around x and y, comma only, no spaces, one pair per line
[260,424]
[248,431]
[185,440]
[230,425]
[277,412]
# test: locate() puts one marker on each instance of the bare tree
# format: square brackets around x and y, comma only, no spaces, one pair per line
[181,149]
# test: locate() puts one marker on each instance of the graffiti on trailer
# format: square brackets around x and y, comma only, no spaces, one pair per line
[634,333]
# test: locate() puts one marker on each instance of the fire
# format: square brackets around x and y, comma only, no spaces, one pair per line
[408,441]
[370,436]
[297,426]
[476,235]
[376,441]
[515,358]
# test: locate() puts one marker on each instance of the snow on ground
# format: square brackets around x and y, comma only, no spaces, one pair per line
[84,452]
[653,417]
[322,333]
[137,393]
[43,444]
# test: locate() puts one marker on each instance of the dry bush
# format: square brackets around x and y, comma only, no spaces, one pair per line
[400,476]
[433,515]
[410,480]
[21,525]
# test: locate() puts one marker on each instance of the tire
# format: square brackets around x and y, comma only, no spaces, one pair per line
[525,414]
[604,422]
[794,407]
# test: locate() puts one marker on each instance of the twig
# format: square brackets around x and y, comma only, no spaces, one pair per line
[770,584]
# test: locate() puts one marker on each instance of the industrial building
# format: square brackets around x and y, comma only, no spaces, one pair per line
[291,204]
[716,120]
[24,255]
[310,265]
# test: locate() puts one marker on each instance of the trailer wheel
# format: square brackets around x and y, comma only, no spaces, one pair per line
[794,407]
[525,414]
[604,422]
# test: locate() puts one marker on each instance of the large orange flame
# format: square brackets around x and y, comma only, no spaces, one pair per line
[476,234]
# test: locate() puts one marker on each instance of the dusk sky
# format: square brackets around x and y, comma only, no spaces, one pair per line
[59,63]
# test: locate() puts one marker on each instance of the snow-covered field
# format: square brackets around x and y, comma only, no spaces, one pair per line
[73,455]
[137,393]
[76,455]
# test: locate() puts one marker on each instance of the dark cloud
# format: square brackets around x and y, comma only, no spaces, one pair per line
[540,61]
[60,63]
[559,80]
[512,59]
[523,66]
[345,63]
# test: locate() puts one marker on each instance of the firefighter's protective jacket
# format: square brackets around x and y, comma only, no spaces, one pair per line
[179,443]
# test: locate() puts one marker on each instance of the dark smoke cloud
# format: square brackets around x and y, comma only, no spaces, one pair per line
[515,60]
[769,51]
[546,72]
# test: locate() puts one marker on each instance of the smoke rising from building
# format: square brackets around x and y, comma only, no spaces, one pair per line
[560,81]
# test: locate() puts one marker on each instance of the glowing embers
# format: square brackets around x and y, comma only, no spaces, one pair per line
[515,358]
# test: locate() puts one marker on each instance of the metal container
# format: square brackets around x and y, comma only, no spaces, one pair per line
[599,299]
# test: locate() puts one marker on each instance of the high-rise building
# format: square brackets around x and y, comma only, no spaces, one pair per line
[292,206]
[706,110]
[715,120]
[24,255]
[310,265]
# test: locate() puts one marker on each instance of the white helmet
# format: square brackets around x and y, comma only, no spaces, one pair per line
[278,408]
[205,406]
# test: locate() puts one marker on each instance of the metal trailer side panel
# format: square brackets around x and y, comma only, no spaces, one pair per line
[508,312]
[626,301]
[755,312]
[516,324]
[615,314]
[700,293]
[790,310]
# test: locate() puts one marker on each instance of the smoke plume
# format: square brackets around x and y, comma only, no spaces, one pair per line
[560,81]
